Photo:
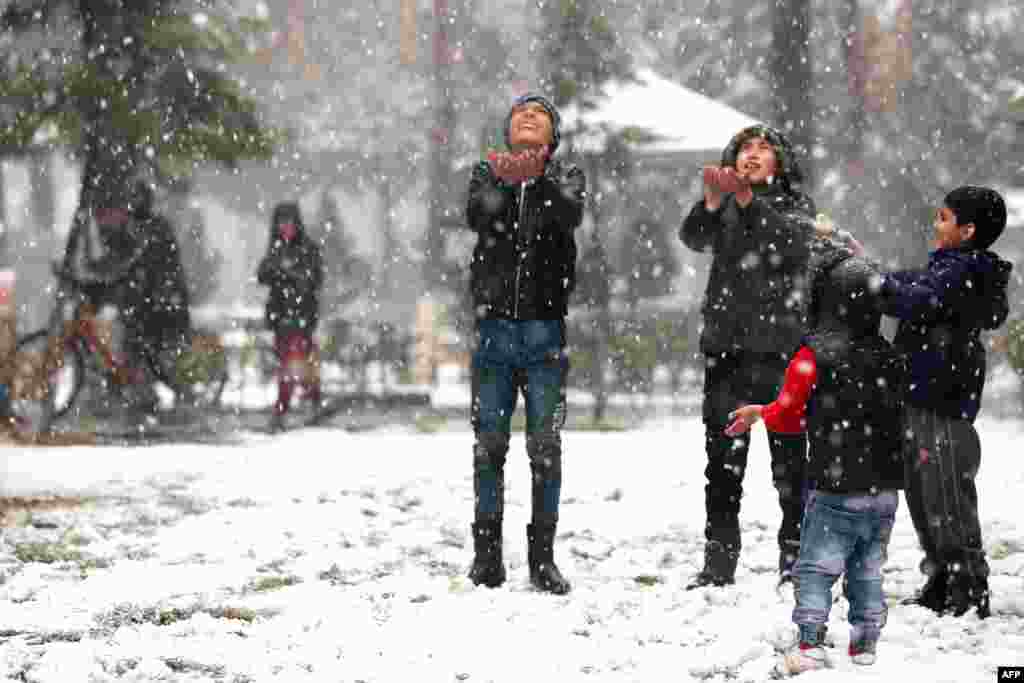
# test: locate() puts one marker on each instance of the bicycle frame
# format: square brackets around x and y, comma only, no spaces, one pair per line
[81,326]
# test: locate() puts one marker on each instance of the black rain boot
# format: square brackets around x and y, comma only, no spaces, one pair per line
[958,594]
[980,598]
[487,568]
[719,566]
[977,590]
[933,594]
[967,590]
[544,575]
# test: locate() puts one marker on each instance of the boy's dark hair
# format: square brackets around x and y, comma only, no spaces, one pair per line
[790,171]
[982,206]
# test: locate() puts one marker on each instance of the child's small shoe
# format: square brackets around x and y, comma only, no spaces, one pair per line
[802,658]
[863,652]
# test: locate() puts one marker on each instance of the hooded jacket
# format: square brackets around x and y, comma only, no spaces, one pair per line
[140,271]
[753,300]
[294,272]
[942,310]
[156,297]
[854,412]
[524,261]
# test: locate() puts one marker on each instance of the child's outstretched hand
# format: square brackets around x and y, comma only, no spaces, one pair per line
[731,181]
[719,180]
[743,418]
[712,192]
[515,167]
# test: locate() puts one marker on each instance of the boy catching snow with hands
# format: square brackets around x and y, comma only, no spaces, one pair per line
[757,224]
[841,388]
[524,206]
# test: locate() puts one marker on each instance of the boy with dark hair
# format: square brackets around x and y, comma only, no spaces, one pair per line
[942,310]
[524,206]
[840,388]
[757,224]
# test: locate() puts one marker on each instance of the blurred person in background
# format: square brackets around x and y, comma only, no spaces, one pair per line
[293,270]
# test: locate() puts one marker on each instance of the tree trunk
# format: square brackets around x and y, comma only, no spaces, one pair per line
[108,159]
[856,122]
[604,317]
[391,250]
[440,151]
[43,193]
[6,257]
[792,77]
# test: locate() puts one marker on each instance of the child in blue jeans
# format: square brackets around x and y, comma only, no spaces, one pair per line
[842,388]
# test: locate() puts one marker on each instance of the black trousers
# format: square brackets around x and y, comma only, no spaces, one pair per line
[942,457]
[732,380]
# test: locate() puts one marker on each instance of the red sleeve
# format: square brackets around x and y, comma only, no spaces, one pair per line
[786,413]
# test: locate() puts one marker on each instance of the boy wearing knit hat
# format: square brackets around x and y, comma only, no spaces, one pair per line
[942,310]
[757,224]
[524,207]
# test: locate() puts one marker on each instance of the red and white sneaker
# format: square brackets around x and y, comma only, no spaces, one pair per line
[802,658]
[863,653]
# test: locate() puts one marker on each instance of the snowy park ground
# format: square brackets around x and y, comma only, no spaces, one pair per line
[325,555]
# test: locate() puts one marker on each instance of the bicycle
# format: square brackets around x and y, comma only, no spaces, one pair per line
[51,365]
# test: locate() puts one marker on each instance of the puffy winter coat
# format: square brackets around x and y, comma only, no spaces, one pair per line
[854,413]
[294,272]
[524,262]
[942,310]
[753,300]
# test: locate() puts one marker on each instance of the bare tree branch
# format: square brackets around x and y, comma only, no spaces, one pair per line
[21,15]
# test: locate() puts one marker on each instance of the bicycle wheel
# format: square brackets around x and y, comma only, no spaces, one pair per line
[196,374]
[45,381]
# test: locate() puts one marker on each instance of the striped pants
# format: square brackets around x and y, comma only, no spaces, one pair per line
[942,459]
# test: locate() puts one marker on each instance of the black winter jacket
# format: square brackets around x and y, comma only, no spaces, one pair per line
[141,272]
[294,273]
[854,414]
[753,299]
[157,295]
[524,262]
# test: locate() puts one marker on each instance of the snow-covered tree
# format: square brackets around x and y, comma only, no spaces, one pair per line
[129,88]
[580,50]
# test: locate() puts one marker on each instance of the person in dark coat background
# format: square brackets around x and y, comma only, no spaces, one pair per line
[942,310]
[524,207]
[293,270]
[139,270]
[757,224]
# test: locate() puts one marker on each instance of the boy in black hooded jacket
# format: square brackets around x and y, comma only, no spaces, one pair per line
[757,224]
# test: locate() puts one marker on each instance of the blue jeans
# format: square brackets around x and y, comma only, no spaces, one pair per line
[513,357]
[844,533]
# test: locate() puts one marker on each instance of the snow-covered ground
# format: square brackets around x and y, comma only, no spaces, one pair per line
[323,555]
